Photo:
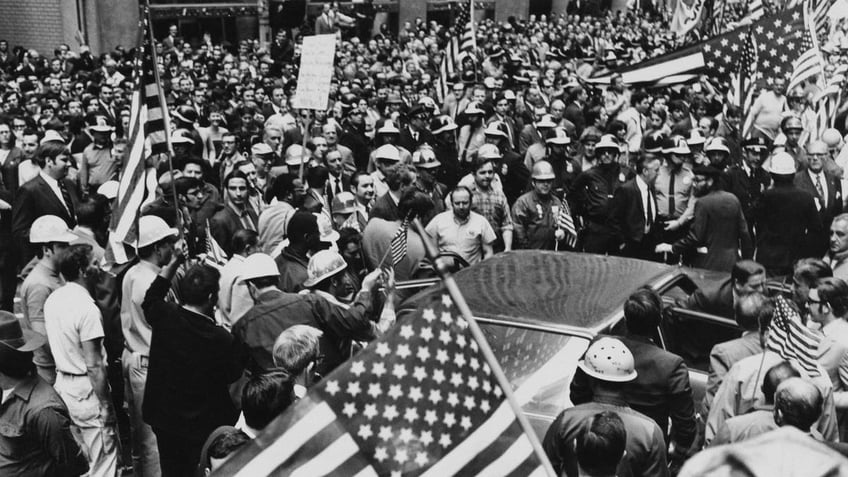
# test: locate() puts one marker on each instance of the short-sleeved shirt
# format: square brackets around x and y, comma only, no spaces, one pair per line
[492,205]
[466,239]
[71,317]
[101,166]
[39,284]
[137,332]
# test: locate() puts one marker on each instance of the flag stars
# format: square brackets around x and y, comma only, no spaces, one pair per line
[469,402]
[353,388]
[472,383]
[446,300]
[332,387]
[349,409]
[403,351]
[456,379]
[365,431]
[460,341]
[724,42]
[383,349]
[415,394]
[484,406]
[429,315]
[378,369]
[450,419]
[406,435]
[401,456]
[445,337]
[430,417]
[474,363]
[421,458]
[406,331]
[399,371]
[374,390]
[465,423]
[395,391]
[442,356]
[419,373]
[385,433]
[411,415]
[370,411]
[426,438]
[438,376]
[435,396]
[453,399]
[445,441]
[426,333]
[423,354]
[380,454]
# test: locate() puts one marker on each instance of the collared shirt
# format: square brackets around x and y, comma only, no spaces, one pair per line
[37,286]
[833,356]
[821,201]
[35,434]
[54,186]
[682,191]
[650,211]
[137,332]
[466,239]
[535,220]
[492,205]
[100,164]
[247,215]
[71,317]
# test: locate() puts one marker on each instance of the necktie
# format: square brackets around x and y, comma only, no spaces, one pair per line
[649,219]
[820,189]
[66,196]
[671,207]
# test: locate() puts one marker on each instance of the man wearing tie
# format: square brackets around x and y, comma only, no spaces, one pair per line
[633,212]
[337,180]
[825,187]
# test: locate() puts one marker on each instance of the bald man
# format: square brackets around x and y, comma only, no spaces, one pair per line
[798,403]
[825,187]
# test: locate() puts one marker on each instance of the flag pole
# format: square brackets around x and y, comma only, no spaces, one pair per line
[166,117]
[456,295]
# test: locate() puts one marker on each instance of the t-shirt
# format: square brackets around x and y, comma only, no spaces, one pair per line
[464,239]
[71,317]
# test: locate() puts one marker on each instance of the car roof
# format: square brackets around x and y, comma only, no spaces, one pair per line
[544,288]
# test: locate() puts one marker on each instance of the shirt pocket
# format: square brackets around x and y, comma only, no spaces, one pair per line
[12,440]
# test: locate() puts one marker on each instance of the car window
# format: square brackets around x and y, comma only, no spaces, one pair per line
[539,365]
[692,335]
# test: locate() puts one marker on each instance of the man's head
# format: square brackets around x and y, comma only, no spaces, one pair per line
[816,153]
[320,146]
[753,310]
[54,158]
[362,186]
[266,396]
[155,240]
[245,242]
[226,441]
[199,287]
[303,231]
[777,374]
[543,178]
[386,157]
[704,180]
[76,264]
[828,300]
[778,85]
[297,351]
[839,234]
[797,403]
[792,129]
[193,167]
[648,169]
[236,184]
[228,144]
[484,172]
[273,137]
[643,312]
[51,235]
[748,277]
[189,191]
[807,273]
[461,199]
[331,134]
[601,445]
[333,161]
[608,363]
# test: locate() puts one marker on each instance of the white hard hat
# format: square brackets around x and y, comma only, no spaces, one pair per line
[387,151]
[50,228]
[152,229]
[783,163]
[607,142]
[109,189]
[547,121]
[258,265]
[608,359]
[325,228]
[322,265]
[425,158]
[489,151]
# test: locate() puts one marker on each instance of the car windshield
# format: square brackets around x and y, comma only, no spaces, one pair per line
[539,365]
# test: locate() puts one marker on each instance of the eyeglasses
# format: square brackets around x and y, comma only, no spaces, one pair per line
[237,188]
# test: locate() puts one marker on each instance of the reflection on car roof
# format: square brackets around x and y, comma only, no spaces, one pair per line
[542,287]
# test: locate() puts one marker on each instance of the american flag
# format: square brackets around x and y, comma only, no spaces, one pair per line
[465,20]
[400,242]
[447,68]
[565,222]
[810,64]
[420,401]
[825,104]
[793,341]
[147,137]
[215,255]
[458,46]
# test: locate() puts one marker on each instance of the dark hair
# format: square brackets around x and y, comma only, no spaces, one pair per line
[399,176]
[301,224]
[811,270]
[282,186]
[601,443]
[354,179]
[774,376]
[834,292]
[74,260]
[193,160]
[49,150]
[266,396]
[91,212]
[643,312]
[244,238]
[199,282]
[480,162]
[637,97]
[751,309]
[745,269]
[414,203]
[235,174]
[184,184]
[227,443]
[317,176]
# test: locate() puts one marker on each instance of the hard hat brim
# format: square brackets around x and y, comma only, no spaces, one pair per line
[603,377]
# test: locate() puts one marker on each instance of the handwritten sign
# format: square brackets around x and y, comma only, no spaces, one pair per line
[316,71]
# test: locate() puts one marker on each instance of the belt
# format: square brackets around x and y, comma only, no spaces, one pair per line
[73,374]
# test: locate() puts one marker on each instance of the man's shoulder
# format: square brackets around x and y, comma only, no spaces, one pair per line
[636,422]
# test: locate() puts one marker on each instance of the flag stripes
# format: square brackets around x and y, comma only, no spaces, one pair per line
[565,222]
[793,341]
[400,242]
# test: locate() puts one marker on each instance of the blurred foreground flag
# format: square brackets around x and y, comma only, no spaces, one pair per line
[420,401]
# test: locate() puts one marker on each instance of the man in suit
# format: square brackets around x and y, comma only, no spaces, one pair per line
[825,188]
[661,389]
[47,194]
[788,225]
[415,133]
[236,214]
[719,226]
[633,212]
[574,111]
[747,277]
[748,180]
[106,105]
[753,313]
[337,180]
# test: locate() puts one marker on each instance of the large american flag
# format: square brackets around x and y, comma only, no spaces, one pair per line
[810,64]
[147,137]
[791,339]
[463,42]
[420,401]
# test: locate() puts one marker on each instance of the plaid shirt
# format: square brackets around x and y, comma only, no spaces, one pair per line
[492,205]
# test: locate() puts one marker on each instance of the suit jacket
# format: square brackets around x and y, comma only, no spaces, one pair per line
[385,208]
[574,113]
[748,189]
[660,391]
[223,225]
[407,141]
[788,228]
[715,300]
[9,172]
[720,226]
[627,214]
[36,198]
[722,358]
[826,214]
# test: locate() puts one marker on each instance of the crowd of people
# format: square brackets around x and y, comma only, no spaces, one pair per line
[263,257]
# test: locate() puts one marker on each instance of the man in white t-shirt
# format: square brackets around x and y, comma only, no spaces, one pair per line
[462,231]
[75,334]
